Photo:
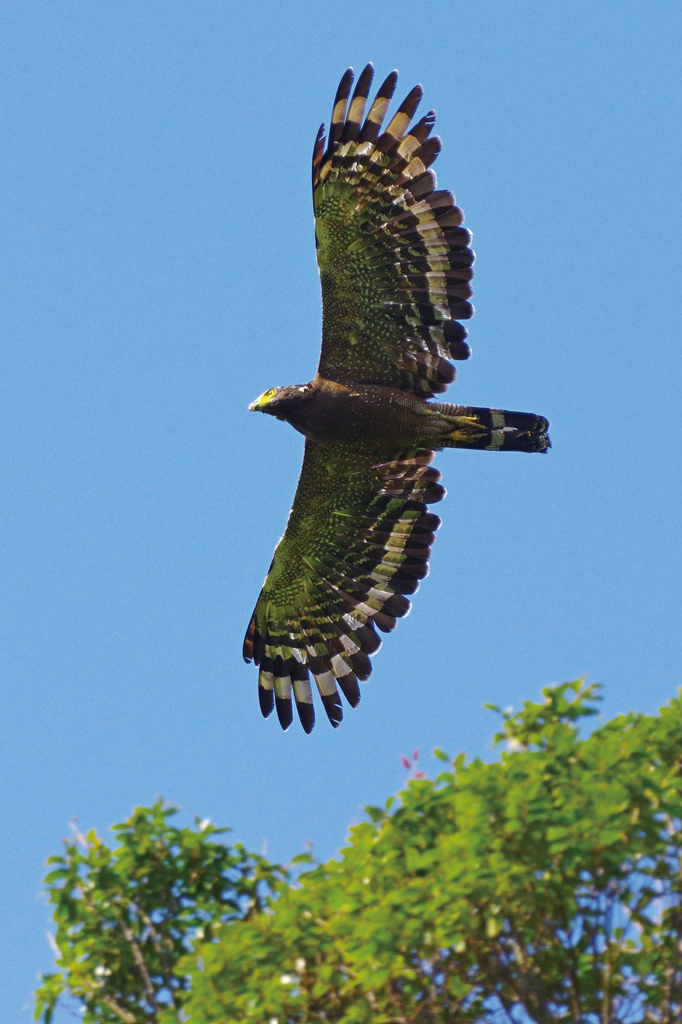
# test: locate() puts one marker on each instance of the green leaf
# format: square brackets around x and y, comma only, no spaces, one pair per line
[540,887]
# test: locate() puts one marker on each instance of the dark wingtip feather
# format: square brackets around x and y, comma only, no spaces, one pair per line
[362,666]
[374,120]
[350,689]
[454,334]
[364,82]
[423,184]
[411,101]
[247,649]
[343,91]
[397,605]
[284,712]
[306,714]
[339,110]
[318,151]
[266,699]
[422,129]
[369,641]
[358,102]
[332,705]
[430,150]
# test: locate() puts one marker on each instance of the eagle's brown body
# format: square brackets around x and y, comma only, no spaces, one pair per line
[395,268]
[358,413]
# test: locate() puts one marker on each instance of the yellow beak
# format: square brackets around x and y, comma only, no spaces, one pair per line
[259,403]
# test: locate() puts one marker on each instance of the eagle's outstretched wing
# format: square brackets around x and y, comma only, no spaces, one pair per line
[358,539]
[395,263]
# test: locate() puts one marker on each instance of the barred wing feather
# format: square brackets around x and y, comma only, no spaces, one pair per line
[395,263]
[358,540]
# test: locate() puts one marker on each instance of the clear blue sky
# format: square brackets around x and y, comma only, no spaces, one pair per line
[159,273]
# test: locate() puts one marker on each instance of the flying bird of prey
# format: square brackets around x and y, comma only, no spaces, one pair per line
[395,268]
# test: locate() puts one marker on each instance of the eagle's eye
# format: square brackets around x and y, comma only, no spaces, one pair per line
[264,400]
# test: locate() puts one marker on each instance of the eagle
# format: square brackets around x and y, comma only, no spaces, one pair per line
[395,268]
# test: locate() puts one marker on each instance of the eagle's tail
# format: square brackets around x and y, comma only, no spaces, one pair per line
[494,429]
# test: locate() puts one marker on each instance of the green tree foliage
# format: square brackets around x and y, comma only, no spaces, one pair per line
[126,916]
[543,886]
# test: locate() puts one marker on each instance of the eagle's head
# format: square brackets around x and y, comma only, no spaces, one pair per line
[281,402]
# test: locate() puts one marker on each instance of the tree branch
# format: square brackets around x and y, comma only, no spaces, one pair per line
[141,965]
[126,1016]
